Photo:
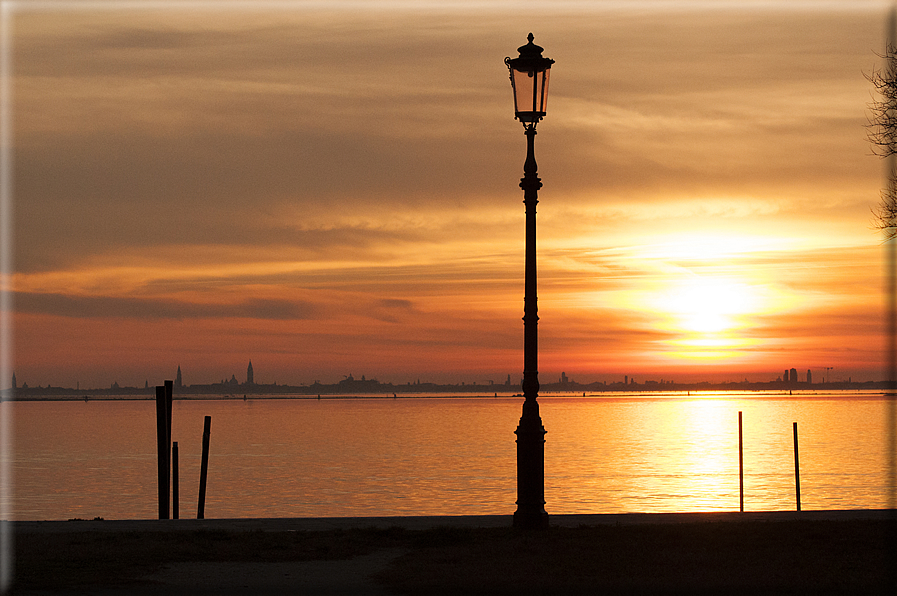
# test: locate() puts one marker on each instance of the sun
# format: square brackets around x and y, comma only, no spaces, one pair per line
[702,305]
[704,297]
[706,316]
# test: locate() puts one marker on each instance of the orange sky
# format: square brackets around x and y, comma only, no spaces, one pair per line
[331,188]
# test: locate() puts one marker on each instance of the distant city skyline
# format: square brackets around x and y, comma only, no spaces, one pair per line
[308,186]
[562,378]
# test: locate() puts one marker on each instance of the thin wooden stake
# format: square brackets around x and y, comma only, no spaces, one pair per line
[796,468]
[204,468]
[740,466]
[174,480]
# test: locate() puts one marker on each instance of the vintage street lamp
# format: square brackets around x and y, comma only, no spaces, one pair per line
[529,81]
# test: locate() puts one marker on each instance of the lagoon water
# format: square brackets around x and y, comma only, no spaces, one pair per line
[451,455]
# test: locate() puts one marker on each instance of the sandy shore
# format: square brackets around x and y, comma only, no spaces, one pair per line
[727,552]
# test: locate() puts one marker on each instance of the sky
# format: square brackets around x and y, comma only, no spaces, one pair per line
[331,188]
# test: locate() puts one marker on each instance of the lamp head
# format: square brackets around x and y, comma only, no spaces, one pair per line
[529,81]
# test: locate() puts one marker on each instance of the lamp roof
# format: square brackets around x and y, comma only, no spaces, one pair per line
[530,58]
[530,50]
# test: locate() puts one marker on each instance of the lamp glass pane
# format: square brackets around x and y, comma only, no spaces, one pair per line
[544,92]
[523,91]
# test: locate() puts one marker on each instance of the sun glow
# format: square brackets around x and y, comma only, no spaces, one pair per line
[705,294]
[707,314]
[703,305]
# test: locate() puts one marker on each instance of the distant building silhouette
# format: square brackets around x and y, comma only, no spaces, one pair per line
[809,377]
[178,382]
[508,382]
[564,379]
[250,379]
[350,383]
[794,375]
[625,379]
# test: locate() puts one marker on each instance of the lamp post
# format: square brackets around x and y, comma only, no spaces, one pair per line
[529,82]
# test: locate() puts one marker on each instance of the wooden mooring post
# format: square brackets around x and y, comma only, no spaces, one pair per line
[204,468]
[169,391]
[796,468]
[162,441]
[174,480]
[740,466]
[169,398]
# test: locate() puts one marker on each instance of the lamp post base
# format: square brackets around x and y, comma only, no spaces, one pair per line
[530,514]
[532,518]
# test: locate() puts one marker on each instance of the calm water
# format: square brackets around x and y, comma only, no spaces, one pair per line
[449,456]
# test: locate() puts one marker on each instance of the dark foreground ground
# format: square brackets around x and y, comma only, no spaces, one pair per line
[809,553]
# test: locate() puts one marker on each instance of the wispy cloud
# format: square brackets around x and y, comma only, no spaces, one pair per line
[104,307]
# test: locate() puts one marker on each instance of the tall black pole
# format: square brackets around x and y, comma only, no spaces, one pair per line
[530,432]
[796,469]
[174,481]
[204,468]
[162,442]
[740,466]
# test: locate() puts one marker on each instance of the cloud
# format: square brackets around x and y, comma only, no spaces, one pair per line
[157,126]
[106,307]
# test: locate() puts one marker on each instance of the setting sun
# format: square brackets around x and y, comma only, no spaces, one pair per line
[705,315]
[705,295]
[708,305]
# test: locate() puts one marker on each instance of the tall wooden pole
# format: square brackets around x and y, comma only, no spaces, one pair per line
[204,468]
[174,480]
[530,432]
[796,469]
[168,403]
[740,467]
[162,442]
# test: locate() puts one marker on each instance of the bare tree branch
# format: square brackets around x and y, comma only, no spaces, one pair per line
[885,213]
[882,134]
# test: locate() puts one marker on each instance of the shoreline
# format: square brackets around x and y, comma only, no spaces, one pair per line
[764,552]
[438,521]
